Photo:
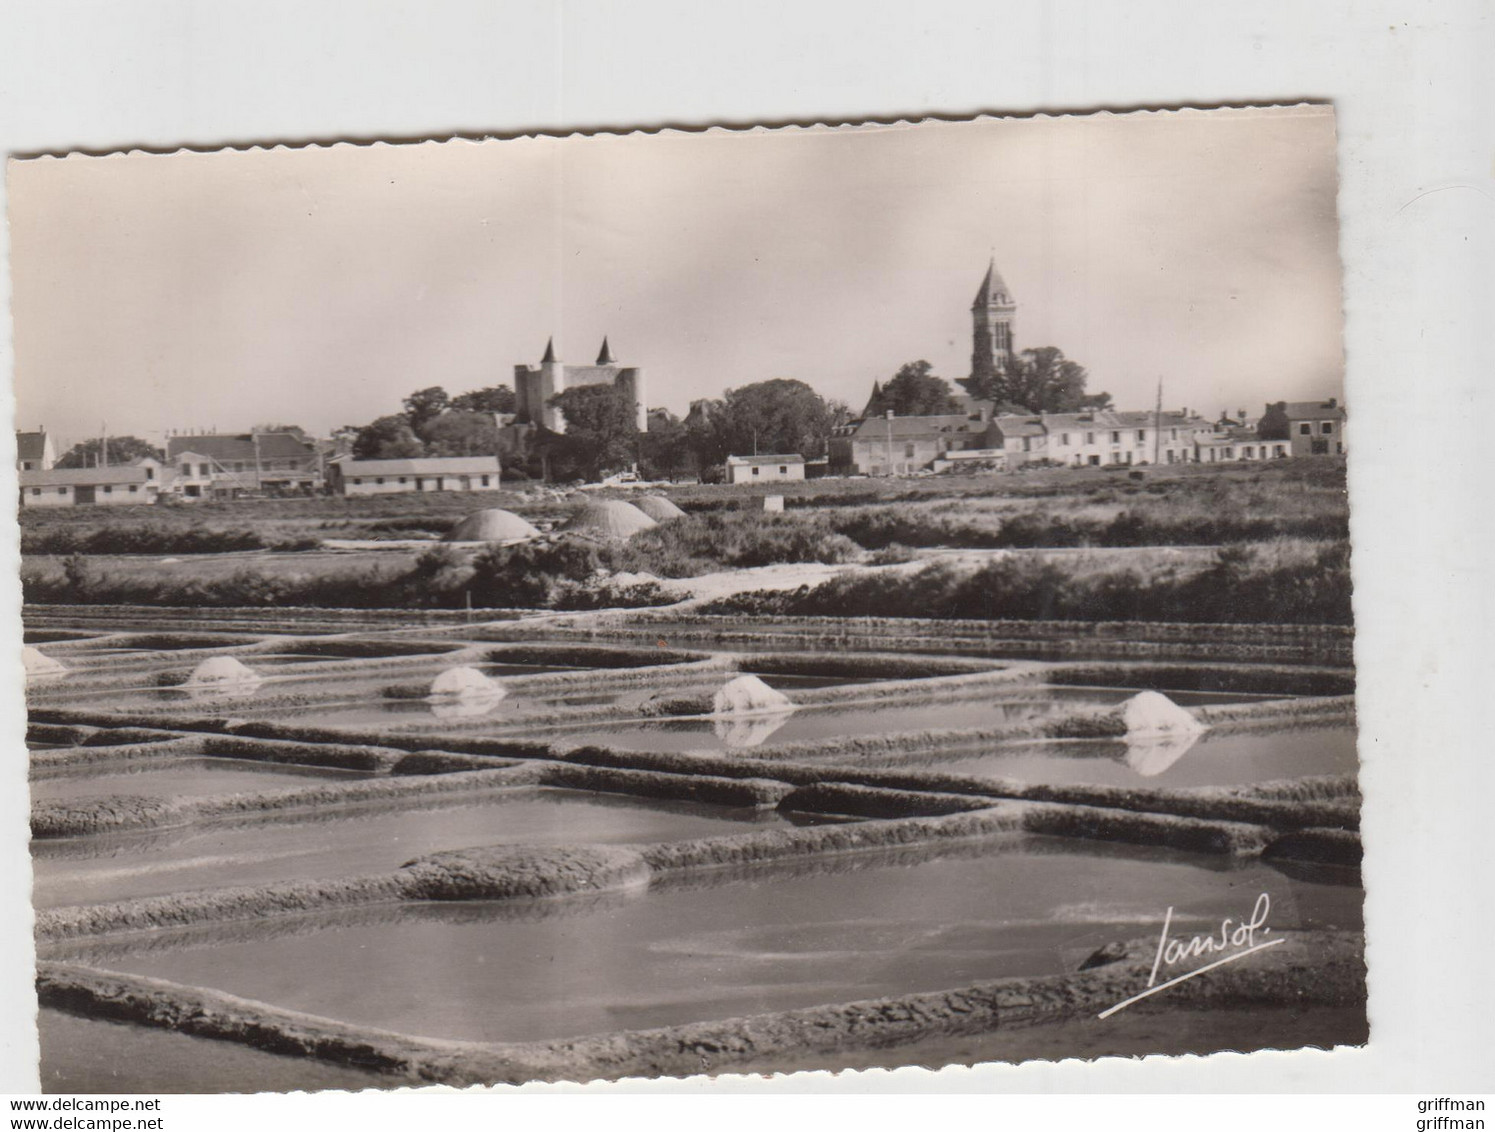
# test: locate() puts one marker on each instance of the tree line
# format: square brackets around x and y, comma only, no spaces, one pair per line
[778,416]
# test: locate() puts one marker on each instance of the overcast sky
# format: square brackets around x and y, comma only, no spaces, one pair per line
[319,286]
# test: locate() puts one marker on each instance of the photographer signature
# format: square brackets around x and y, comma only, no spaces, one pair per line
[1229,943]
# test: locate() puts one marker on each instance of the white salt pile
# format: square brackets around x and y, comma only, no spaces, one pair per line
[1158,732]
[40,666]
[223,674]
[464,683]
[746,693]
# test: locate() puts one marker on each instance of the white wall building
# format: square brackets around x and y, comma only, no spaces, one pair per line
[765,469]
[140,482]
[348,476]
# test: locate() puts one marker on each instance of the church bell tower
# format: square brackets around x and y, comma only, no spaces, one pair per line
[992,314]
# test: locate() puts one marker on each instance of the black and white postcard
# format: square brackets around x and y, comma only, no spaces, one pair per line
[651,604]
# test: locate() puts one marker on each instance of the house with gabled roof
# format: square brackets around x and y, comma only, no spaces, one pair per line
[893,445]
[34,451]
[1309,428]
[226,465]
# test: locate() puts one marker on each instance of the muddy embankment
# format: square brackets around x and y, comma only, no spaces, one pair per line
[1308,969]
[1323,644]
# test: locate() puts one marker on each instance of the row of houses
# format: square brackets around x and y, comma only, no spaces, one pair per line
[979,438]
[219,466]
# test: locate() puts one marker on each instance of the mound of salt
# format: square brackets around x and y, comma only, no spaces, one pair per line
[609,518]
[493,525]
[467,684]
[40,666]
[745,694]
[658,508]
[1154,714]
[1158,732]
[225,674]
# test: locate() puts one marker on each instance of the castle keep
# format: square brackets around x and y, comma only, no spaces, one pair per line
[534,386]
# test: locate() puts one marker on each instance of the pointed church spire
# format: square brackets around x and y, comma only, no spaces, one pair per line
[605,357]
[993,288]
[549,351]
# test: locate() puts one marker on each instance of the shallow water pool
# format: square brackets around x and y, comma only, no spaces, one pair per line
[85,1055]
[1020,705]
[360,839]
[1238,758]
[176,777]
[846,928]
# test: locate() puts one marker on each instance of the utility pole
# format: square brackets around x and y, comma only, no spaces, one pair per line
[1157,422]
[891,470]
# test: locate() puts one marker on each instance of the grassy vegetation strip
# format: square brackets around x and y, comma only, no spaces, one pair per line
[1321,846]
[877,627]
[795,843]
[1237,588]
[1234,717]
[878,666]
[1325,969]
[1276,679]
[135,812]
[1319,787]
[1235,839]
[501,872]
[123,615]
[964,686]
[757,793]
[218,905]
[58,733]
[66,759]
[1326,801]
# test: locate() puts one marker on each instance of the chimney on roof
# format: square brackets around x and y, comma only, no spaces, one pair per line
[1333,402]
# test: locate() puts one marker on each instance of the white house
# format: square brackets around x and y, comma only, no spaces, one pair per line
[348,476]
[140,482]
[765,469]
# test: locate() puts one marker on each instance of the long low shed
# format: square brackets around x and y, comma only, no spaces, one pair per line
[436,473]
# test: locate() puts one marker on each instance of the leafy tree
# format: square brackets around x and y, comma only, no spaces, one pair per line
[388,438]
[601,431]
[665,447]
[494,399]
[1041,380]
[915,391]
[461,434]
[121,450]
[705,433]
[776,416]
[424,404]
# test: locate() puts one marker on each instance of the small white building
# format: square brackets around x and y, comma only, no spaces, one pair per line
[765,469]
[348,476]
[140,482]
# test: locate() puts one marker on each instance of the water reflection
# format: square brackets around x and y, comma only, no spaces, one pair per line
[739,731]
[1151,755]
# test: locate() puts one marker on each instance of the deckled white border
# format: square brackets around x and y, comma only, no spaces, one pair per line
[1403,77]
